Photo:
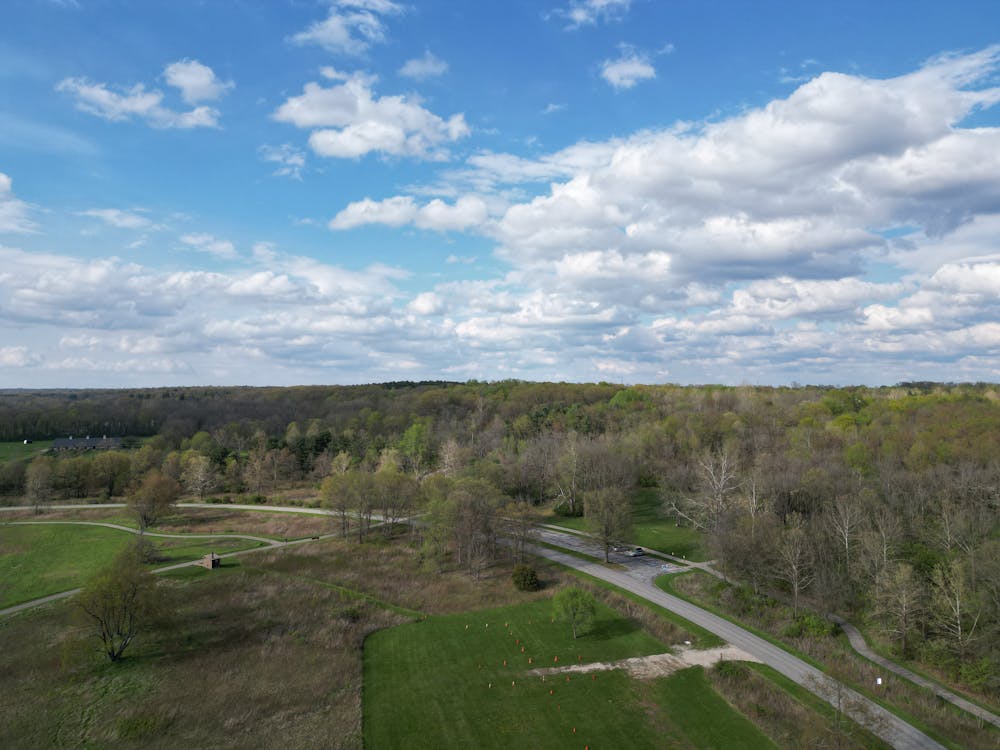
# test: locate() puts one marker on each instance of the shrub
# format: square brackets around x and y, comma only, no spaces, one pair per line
[734,670]
[525,578]
[811,626]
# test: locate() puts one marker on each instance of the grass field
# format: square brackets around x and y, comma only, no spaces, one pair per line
[39,560]
[15,450]
[651,528]
[442,683]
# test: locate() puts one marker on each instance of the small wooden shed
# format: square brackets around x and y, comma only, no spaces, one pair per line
[210,561]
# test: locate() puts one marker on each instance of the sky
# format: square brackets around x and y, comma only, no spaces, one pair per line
[283,192]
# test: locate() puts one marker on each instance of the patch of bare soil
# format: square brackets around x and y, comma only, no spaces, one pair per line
[658,665]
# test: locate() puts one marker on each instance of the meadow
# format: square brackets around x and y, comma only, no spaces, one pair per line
[39,560]
[652,528]
[465,681]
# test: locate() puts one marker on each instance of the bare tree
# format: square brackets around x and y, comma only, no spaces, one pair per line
[609,515]
[39,481]
[900,603]
[200,476]
[953,607]
[719,483]
[795,560]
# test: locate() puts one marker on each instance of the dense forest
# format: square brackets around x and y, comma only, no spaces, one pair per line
[877,503]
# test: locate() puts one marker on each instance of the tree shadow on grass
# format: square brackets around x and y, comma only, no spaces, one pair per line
[606,630]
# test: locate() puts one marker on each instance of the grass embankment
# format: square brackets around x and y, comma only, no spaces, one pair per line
[943,721]
[651,528]
[36,561]
[463,681]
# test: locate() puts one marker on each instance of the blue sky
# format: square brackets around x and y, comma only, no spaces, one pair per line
[363,190]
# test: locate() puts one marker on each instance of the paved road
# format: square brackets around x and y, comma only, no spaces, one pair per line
[636,578]
[217,506]
[271,544]
[131,530]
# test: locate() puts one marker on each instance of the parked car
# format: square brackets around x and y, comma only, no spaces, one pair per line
[637,552]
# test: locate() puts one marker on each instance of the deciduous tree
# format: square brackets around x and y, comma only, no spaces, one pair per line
[118,603]
[575,606]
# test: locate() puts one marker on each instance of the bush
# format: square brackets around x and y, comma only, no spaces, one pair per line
[563,509]
[525,578]
[734,670]
[257,499]
[811,626]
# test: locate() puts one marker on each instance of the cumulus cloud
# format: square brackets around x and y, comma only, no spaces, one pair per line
[14,212]
[628,70]
[426,66]
[797,187]
[466,212]
[348,121]
[195,82]
[351,26]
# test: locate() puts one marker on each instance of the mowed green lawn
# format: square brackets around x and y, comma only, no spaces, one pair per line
[45,559]
[651,528]
[15,450]
[442,683]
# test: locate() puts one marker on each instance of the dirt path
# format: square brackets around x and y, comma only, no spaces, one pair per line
[657,665]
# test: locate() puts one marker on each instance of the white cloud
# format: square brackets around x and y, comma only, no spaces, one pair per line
[468,211]
[120,219]
[589,12]
[350,27]
[196,82]
[14,212]
[206,243]
[18,356]
[351,121]
[628,70]
[426,303]
[422,68]
[290,160]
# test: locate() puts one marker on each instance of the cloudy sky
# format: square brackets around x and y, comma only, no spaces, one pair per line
[342,191]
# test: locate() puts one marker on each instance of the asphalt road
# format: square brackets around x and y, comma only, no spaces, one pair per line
[636,577]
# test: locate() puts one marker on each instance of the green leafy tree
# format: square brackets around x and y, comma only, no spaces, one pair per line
[576,607]
[118,602]
[155,496]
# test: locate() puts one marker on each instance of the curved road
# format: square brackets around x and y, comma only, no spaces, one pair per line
[131,530]
[270,544]
[637,580]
